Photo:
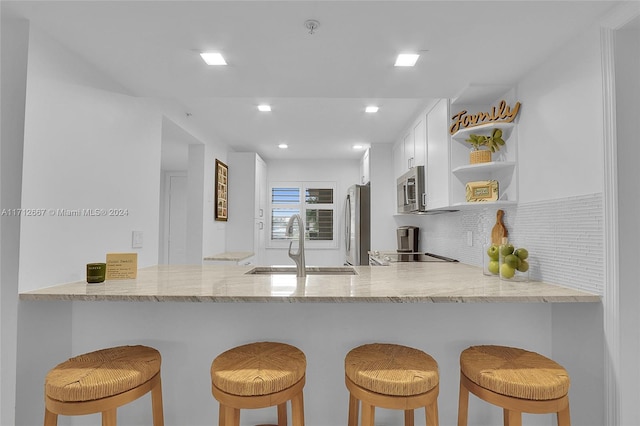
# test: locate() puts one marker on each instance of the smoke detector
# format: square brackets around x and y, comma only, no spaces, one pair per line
[311,25]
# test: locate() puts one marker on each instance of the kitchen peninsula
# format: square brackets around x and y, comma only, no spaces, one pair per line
[400,282]
[324,315]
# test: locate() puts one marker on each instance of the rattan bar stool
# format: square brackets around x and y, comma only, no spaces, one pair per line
[516,380]
[102,381]
[394,377]
[259,375]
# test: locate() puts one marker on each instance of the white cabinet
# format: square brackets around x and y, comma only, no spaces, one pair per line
[410,150]
[247,204]
[365,168]
[438,166]
[419,133]
[502,168]
[260,202]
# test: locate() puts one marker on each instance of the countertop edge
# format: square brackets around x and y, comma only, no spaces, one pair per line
[309,299]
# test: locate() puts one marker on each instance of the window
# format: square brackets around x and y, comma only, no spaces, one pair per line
[315,202]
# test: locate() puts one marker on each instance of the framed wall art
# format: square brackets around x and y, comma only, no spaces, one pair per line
[221,188]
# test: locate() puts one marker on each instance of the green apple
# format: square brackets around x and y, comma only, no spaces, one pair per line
[507,271]
[512,260]
[522,253]
[494,267]
[524,266]
[493,252]
[507,249]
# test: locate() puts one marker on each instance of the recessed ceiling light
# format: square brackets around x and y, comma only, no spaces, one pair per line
[213,58]
[264,108]
[358,146]
[371,109]
[283,146]
[406,59]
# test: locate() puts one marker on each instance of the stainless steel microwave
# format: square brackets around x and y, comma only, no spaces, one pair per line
[411,191]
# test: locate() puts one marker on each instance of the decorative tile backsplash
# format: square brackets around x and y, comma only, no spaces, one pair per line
[565,238]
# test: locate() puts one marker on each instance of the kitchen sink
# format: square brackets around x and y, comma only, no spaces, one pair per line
[311,270]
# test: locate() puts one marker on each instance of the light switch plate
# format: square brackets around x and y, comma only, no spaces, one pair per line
[136,239]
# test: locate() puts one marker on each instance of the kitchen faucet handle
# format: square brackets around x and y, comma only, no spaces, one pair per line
[291,254]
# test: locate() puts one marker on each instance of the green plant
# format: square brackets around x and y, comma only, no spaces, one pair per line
[493,141]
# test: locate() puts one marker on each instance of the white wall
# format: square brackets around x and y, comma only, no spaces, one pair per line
[383,198]
[14,39]
[560,129]
[627,67]
[85,148]
[344,172]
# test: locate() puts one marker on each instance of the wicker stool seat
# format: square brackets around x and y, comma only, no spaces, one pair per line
[394,377]
[259,375]
[514,379]
[103,380]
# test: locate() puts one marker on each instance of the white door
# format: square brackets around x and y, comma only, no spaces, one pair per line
[177,220]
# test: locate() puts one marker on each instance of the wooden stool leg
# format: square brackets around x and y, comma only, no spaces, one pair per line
[408,418]
[431,413]
[228,416]
[156,404]
[512,418]
[50,419]
[282,414]
[297,410]
[353,410]
[368,414]
[231,416]
[110,417]
[463,404]
[221,417]
[564,417]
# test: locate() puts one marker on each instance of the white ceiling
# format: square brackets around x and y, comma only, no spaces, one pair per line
[319,84]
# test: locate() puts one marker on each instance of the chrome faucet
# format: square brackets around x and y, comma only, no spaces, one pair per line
[299,256]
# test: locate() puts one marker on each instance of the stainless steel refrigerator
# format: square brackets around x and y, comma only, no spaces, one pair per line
[357,232]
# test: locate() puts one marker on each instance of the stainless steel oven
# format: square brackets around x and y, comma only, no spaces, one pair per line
[411,191]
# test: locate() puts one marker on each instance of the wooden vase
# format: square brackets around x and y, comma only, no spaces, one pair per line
[480,156]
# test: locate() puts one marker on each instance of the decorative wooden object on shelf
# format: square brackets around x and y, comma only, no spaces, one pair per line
[483,190]
[222,185]
[480,156]
[499,231]
[503,113]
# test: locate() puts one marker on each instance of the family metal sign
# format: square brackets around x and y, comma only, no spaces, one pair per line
[502,113]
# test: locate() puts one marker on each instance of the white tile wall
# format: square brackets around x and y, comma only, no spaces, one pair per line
[564,237]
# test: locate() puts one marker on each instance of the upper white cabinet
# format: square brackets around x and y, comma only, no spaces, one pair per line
[438,168]
[410,150]
[365,168]
[247,203]
[503,167]
[260,202]
[419,133]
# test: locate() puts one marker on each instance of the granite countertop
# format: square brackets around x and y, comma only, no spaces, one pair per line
[397,283]
[231,256]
